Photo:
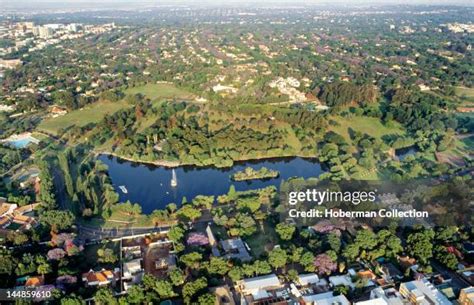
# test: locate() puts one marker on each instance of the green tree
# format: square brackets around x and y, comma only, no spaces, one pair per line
[277,258]
[164,289]
[285,230]
[176,233]
[193,287]
[7,262]
[106,255]
[207,299]
[420,245]
[105,296]
[188,212]
[235,273]
[43,266]
[307,261]
[232,193]
[192,260]
[217,265]
[334,241]
[135,295]
[57,220]
[72,300]
[177,277]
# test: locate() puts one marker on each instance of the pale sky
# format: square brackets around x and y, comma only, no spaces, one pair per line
[233,2]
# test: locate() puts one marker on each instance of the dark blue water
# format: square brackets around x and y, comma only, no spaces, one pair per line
[150,185]
[402,153]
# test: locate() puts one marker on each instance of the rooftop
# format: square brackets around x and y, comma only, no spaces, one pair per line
[424,292]
[260,283]
[326,298]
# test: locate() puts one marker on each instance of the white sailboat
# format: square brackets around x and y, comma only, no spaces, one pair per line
[123,189]
[174,180]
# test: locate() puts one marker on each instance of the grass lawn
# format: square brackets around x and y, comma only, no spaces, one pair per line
[259,241]
[368,125]
[120,222]
[90,114]
[160,91]
[464,91]
[365,174]
[90,253]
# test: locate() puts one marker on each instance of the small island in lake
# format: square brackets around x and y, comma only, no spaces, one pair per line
[250,174]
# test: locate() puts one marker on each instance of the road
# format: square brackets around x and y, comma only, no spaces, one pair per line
[458,282]
[94,233]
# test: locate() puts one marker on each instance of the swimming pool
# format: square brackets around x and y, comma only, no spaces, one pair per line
[21,141]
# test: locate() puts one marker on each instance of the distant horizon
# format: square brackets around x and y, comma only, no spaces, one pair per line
[81,3]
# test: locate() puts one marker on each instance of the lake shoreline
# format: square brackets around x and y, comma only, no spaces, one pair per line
[176,164]
[151,187]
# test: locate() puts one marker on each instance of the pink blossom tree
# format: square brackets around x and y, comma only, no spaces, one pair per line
[324,264]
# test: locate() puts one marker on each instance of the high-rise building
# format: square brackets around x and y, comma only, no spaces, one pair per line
[46,32]
[73,27]
[43,31]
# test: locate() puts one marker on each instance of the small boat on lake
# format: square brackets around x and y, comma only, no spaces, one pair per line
[123,189]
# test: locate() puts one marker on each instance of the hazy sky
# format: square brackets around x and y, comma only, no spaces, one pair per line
[197,2]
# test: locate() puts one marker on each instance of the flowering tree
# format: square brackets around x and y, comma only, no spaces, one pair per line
[71,248]
[324,264]
[65,280]
[197,239]
[60,239]
[56,254]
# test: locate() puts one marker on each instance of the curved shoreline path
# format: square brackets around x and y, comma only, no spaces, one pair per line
[150,185]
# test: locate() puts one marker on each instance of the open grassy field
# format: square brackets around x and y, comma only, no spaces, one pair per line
[465,94]
[368,125]
[160,91]
[464,91]
[95,112]
[90,114]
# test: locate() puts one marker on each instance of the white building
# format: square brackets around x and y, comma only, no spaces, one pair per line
[255,284]
[308,279]
[379,296]
[131,268]
[422,292]
[327,298]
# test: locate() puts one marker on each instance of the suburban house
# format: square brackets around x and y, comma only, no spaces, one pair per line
[132,273]
[98,278]
[235,248]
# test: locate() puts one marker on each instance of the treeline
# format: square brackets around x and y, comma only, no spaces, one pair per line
[9,157]
[181,132]
[340,94]
[87,184]
[302,118]
[420,111]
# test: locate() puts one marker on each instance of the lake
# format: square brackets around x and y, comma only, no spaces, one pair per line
[402,153]
[150,186]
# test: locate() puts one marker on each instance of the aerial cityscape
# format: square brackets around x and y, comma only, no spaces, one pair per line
[224,153]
